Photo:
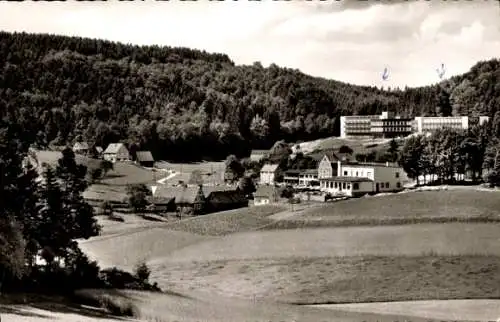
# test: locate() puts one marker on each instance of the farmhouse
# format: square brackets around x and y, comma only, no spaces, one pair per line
[145,159]
[81,148]
[268,173]
[187,199]
[355,179]
[116,152]
[220,198]
[266,195]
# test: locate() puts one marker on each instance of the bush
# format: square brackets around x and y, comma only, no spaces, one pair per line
[142,272]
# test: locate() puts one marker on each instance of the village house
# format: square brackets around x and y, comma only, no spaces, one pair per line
[266,195]
[221,198]
[145,159]
[268,174]
[116,152]
[355,179]
[81,148]
[188,200]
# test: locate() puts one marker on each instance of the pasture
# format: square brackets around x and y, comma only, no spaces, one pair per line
[457,205]
[212,172]
[359,145]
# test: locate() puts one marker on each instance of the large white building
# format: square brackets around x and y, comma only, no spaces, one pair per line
[388,125]
[355,179]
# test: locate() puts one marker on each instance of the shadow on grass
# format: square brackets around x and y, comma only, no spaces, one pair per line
[21,305]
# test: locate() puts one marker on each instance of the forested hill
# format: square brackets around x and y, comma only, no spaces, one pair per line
[189,104]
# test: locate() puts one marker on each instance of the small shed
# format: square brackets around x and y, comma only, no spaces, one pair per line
[145,159]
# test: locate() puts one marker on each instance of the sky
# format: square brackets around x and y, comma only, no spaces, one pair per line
[350,40]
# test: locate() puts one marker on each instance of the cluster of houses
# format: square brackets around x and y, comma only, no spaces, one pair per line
[336,175]
[115,152]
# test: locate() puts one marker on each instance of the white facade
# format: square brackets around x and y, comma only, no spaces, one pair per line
[326,168]
[385,177]
[259,201]
[348,187]
[430,124]
[306,178]
[360,178]
[268,173]
[373,125]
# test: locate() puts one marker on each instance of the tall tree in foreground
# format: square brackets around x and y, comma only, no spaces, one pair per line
[411,157]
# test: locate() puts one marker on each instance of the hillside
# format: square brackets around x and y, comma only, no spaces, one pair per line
[186,104]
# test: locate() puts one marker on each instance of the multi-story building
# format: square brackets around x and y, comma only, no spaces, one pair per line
[356,179]
[387,125]
[268,174]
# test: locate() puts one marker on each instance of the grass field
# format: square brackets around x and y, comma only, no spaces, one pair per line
[406,240]
[359,145]
[461,205]
[337,279]
[212,172]
[474,310]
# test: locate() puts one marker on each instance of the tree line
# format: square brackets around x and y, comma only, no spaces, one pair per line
[450,155]
[42,213]
[186,105]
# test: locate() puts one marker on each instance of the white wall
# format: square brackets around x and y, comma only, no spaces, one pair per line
[346,188]
[266,177]
[258,201]
[325,168]
[379,174]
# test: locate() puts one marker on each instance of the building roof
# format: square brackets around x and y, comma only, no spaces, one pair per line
[309,171]
[292,172]
[229,196]
[348,179]
[144,156]
[371,164]
[209,189]
[99,149]
[113,148]
[81,146]
[266,191]
[269,168]
[181,194]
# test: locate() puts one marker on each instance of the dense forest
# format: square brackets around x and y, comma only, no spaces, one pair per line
[185,104]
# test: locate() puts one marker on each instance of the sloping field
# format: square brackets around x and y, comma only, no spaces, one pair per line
[128,249]
[407,240]
[474,310]
[465,205]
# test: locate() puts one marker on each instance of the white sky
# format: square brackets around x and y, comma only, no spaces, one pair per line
[351,40]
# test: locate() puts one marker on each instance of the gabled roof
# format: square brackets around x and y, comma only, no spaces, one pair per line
[348,179]
[113,148]
[269,168]
[266,191]
[180,193]
[144,156]
[81,146]
[99,149]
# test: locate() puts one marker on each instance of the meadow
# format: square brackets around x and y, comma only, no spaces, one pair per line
[457,205]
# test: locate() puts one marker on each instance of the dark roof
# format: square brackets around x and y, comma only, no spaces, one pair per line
[292,172]
[266,191]
[309,171]
[348,179]
[209,189]
[331,154]
[181,194]
[144,156]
